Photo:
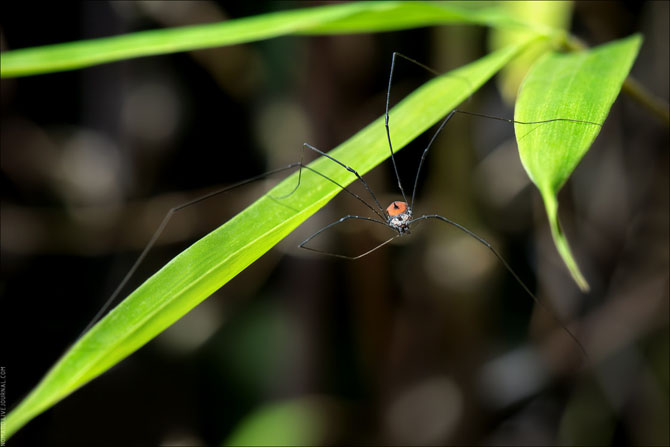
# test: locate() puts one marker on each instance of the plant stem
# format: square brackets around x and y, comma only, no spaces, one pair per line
[652,103]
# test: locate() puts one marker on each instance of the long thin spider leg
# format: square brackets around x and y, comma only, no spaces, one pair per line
[350,169]
[386,117]
[301,164]
[526,122]
[511,271]
[453,112]
[386,121]
[425,152]
[444,122]
[174,210]
[434,72]
[160,229]
[347,190]
[386,124]
[339,221]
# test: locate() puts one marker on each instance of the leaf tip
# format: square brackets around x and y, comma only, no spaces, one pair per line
[561,242]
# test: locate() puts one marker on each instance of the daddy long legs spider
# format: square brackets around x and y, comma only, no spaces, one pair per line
[506,247]
[398,216]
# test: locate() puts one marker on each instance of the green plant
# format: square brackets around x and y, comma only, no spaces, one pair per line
[211,262]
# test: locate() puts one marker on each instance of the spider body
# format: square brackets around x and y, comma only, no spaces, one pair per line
[399,216]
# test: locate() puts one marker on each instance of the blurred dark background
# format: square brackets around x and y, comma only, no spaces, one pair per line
[428,341]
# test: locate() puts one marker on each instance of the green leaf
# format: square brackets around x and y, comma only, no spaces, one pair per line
[208,264]
[579,86]
[331,19]
[295,422]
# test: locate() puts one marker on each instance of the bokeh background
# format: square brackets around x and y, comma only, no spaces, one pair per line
[426,342]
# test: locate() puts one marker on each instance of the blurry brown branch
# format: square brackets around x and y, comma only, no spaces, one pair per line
[653,104]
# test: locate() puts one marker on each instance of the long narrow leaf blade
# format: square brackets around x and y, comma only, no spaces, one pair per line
[208,264]
[578,86]
[331,19]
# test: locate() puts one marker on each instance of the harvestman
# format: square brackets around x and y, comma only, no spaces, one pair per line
[398,215]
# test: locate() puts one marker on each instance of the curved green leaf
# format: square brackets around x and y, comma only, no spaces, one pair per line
[355,17]
[208,264]
[579,86]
